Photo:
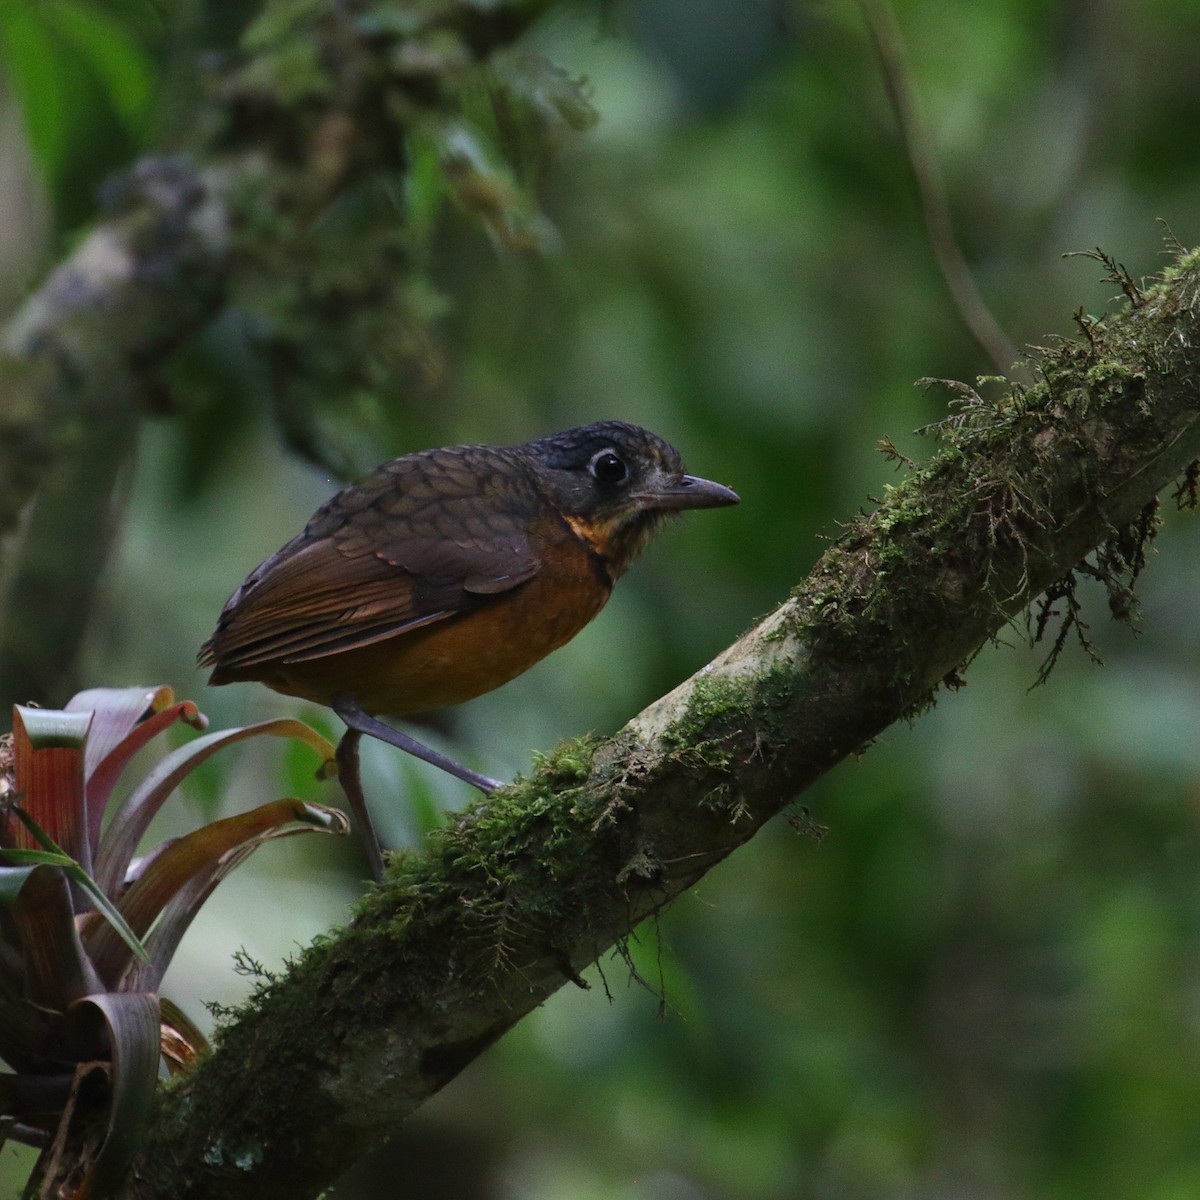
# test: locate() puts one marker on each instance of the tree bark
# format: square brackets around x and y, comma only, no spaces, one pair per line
[498,912]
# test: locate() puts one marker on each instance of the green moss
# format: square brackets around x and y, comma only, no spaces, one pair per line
[520,868]
[725,720]
[712,700]
[525,869]
[570,761]
[1188,262]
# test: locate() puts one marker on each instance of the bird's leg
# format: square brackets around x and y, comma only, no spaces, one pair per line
[351,781]
[350,712]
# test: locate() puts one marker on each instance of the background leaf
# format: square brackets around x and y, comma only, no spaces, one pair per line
[123,67]
[33,65]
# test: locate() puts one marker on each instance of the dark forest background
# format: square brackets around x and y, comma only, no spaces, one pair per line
[984,981]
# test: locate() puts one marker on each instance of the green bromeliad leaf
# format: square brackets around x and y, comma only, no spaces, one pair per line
[52,855]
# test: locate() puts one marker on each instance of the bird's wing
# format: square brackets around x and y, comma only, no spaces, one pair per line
[420,540]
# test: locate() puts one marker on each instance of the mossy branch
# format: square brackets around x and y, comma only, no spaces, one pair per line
[525,891]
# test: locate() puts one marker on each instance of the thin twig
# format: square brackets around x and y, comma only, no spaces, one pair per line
[889,47]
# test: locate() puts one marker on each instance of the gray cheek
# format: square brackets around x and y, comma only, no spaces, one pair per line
[573,491]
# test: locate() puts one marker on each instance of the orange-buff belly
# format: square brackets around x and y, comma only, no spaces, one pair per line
[460,657]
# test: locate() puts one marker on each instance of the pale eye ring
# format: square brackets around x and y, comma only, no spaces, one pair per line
[609,468]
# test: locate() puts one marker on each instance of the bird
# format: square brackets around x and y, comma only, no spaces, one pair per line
[444,574]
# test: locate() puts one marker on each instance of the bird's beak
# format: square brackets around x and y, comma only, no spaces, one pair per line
[674,495]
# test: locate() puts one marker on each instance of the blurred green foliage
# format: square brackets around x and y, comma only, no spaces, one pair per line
[84,76]
[984,981]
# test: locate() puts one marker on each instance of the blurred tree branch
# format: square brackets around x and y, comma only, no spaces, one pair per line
[529,888]
[295,204]
[79,365]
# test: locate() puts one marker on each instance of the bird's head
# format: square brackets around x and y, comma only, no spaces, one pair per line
[613,483]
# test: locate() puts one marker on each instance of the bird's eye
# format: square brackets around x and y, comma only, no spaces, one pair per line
[609,468]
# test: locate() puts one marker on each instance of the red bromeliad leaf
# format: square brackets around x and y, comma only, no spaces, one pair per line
[76,985]
[129,1037]
[48,748]
[177,915]
[118,711]
[56,970]
[129,823]
[162,902]
[25,1034]
[25,1029]
[119,732]
[102,780]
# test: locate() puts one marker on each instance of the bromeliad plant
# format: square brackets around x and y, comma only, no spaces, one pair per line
[87,930]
